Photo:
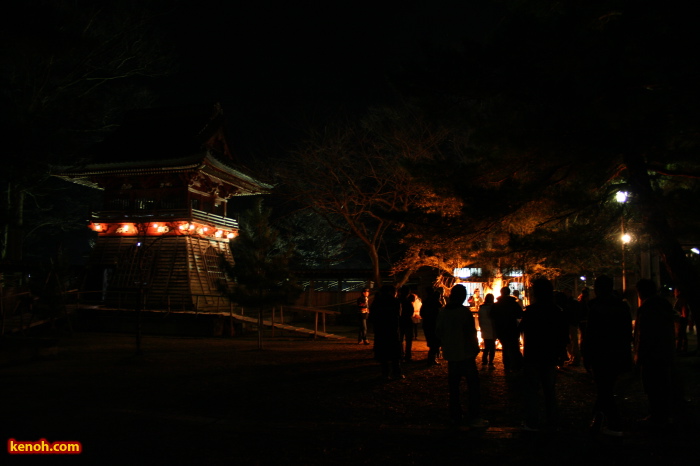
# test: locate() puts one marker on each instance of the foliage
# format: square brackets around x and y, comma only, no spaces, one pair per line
[316,244]
[556,106]
[262,258]
[352,176]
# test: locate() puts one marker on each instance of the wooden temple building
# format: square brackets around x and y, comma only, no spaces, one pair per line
[164,227]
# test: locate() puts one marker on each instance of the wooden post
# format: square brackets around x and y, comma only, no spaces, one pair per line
[315,324]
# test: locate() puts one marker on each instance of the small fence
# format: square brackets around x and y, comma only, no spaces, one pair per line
[22,311]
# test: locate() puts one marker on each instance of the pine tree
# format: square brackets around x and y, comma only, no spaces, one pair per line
[262,275]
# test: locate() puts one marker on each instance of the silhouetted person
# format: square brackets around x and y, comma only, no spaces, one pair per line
[583,301]
[407,298]
[682,310]
[429,313]
[460,347]
[654,347]
[607,352]
[572,309]
[545,335]
[363,314]
[561,301]
[487,332]
[505,315]
[516,295]
[384,313]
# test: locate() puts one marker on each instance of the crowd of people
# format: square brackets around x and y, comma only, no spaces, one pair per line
[601,333]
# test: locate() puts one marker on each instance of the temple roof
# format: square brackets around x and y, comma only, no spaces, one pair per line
[166,140]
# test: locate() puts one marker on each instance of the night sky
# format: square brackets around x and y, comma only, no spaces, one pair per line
[279,66]
[276,67]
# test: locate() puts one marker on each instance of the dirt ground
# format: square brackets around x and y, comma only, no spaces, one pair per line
[297,401]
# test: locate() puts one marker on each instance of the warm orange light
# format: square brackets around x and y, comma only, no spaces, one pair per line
[97,227]
[219,233]
[495,288]
[230,235]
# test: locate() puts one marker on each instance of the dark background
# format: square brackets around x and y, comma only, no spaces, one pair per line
[280,68]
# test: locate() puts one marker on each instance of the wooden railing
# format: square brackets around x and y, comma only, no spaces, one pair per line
[148,215]
[316,311]
[176,303]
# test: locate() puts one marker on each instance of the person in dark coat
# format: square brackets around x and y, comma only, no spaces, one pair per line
[682,310]
[406,331]
[583,301]
[607,352]
[505,315]
[457,332]
[654,348]
[384,313]
[572,309]
[429,312]
[545,335]
[487,333]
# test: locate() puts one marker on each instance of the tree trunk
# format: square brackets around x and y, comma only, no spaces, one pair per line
[374,258]
[656,222]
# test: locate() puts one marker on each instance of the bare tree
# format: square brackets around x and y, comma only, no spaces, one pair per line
[353,176]
[70,68]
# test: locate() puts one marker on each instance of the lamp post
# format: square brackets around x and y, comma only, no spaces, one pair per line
[625,238]
[621,197]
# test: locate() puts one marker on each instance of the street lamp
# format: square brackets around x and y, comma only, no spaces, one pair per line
[625,238]
[621,197]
